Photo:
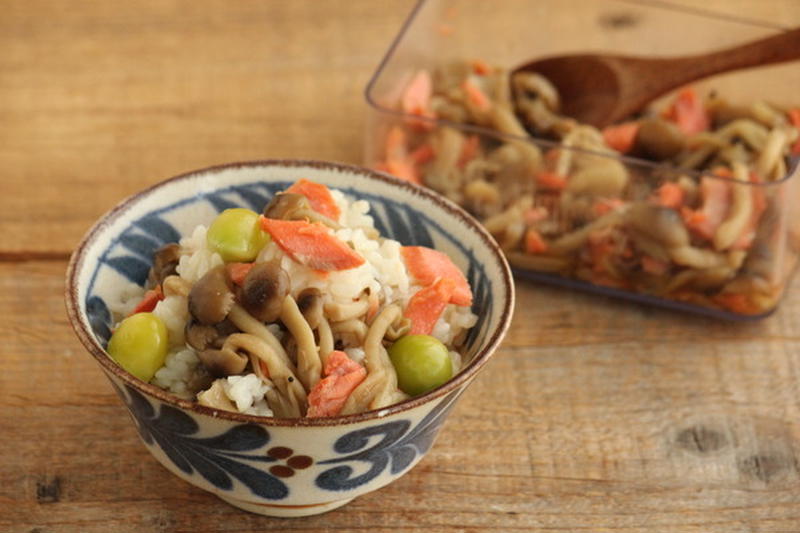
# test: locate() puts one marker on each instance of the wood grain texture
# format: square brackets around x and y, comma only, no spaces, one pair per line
[595,415]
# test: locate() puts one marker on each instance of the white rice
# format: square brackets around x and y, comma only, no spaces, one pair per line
[454,320]
[178,369]
[247,392]
[276,330]
[353,214]
[357,354]
[174,312]
[196,258]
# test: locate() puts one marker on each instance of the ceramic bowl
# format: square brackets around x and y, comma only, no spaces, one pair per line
[281,467]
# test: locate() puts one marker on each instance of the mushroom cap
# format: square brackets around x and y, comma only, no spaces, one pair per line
[200,336]
[211,297]
[224,362]
[263,290]
[309,302]
[658,139]
[292,206]
[663,224]
[284,204]
[165,261]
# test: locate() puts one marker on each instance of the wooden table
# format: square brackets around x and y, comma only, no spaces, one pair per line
[595,415]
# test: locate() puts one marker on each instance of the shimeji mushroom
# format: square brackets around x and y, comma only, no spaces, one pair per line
[211,297]
[309,301]
[291,206]
[263,291]
[165,261]
[223,362]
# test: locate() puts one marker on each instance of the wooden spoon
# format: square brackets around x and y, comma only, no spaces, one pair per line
[603,89]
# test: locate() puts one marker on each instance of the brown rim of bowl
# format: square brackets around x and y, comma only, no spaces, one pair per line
[88,339]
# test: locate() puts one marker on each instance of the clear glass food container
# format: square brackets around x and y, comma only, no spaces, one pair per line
[714,237]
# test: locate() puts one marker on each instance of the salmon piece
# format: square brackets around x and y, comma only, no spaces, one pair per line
[606,205]
[319,196]
[339,364]
[149,301]
[427,265]
[469,150]
[688,113]
[670,195]
[621,137]
[416,98]
[238,271]
[422,154]
[476,96]
[398,161]
[403,169]
[716,194]
[311,245]
[481,67]
[534,243]
[551,181]
[342,376]
[427,305]
[396,144]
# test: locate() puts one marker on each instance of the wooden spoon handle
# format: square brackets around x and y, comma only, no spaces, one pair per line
[775,49]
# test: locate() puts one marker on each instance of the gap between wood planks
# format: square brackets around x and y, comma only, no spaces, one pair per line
[23,256]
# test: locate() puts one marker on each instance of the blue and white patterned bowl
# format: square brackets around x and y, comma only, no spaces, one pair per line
[281,467]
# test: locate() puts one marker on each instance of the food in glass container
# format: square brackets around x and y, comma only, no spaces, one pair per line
[301,311]
[698,219]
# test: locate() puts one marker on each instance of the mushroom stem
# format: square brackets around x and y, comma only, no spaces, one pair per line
[326,343]
[353,329]
[175,286]
[245,322]
[309,365]
[337,312]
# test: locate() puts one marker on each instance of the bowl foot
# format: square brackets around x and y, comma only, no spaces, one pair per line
[274,509]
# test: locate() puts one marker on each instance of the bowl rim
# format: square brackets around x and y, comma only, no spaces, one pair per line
[77,264]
